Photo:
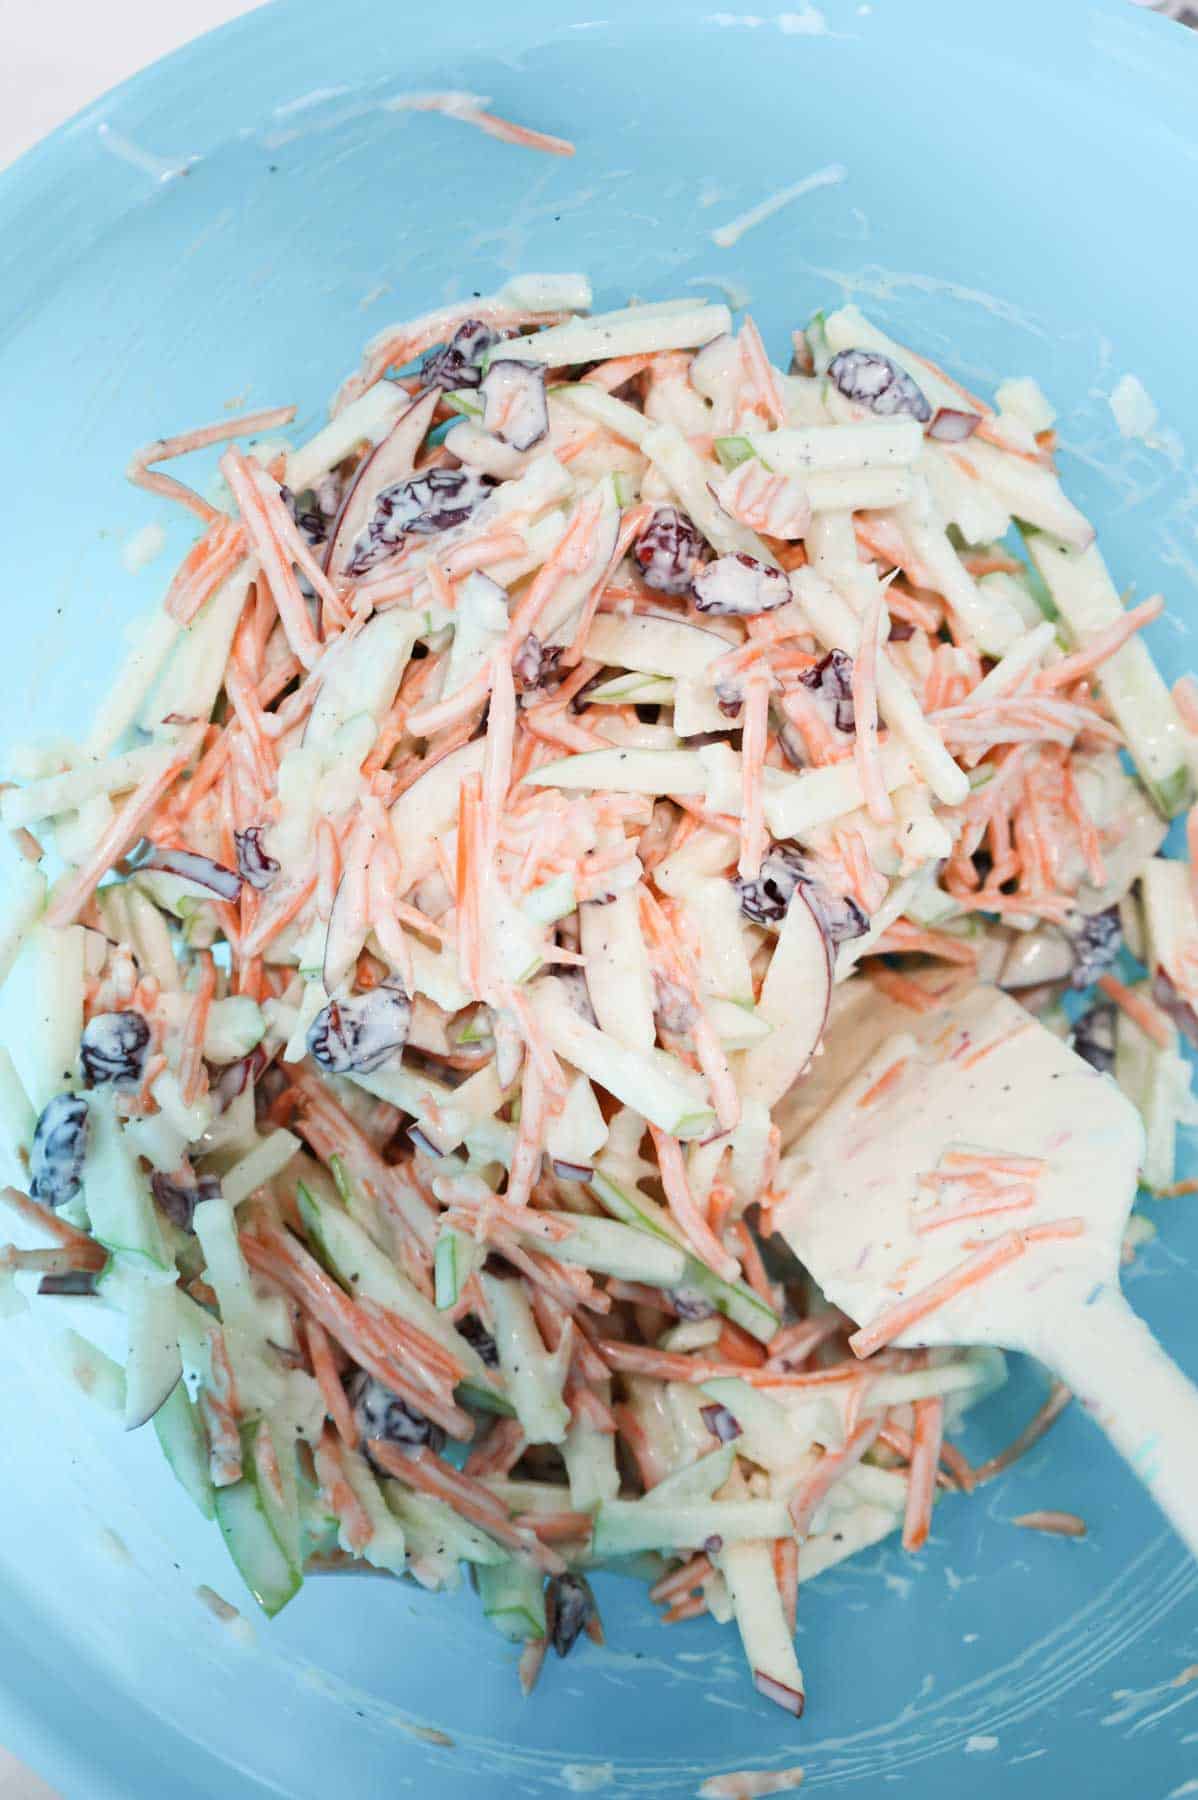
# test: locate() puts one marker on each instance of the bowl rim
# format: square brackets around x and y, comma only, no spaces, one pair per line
[43,180]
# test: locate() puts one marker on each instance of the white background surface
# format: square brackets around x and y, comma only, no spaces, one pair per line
[55,57]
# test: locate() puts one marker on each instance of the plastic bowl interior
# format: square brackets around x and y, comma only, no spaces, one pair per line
[226,231]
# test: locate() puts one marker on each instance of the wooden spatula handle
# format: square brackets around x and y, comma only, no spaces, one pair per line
[1138,1396]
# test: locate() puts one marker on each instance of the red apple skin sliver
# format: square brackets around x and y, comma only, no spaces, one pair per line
[791,1700]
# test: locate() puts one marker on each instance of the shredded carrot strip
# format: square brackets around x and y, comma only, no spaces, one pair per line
[921,1479]
[1104,644]
[219,1408]
[614,373]
[1001,1162]
[192,1077]
[1014,1199]
[121,835]
[51,1262]
[526,1158]
[650,1463]
[1185,698]
[681,1581]
[786,1574]
[1086,830]
[557,1528]
[766,388]
[899,1440]
[509,133]
[1172,1190]
[736,1346]
[277,569]
[753,746]
[960,1470]
[276,918]
[1057,1524]
[142,473]
[691,1223]
[355,1522]
[569,556]
[632,524]
[979,1055]
[211,560]
[1033,1431]
[1139,1009]
[499,1452]
[904,938]
[832,1465]
[889,1079]
[421,1469]
[287,1263]
[985,1261]
[752,1264]
[692,1608]
[34,1213]
[1053,907]
[905,992]
[991,563]
[795,1343]
[325,1370]
[883,542]
[901,1317]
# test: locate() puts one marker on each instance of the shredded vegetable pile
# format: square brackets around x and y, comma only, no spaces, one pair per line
[461,893]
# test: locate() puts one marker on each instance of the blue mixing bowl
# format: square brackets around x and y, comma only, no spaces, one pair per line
[227,229]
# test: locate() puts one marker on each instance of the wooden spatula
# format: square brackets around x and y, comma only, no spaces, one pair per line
[969,1183]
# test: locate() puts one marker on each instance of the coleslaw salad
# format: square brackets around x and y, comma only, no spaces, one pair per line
[451,922]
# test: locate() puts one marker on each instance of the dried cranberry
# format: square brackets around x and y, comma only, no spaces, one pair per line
[831,681]
[838,914]
[766,899]
[572,1605]
[1094,1037]
[59,1147]
[435,500]
[721,1423]
[480,1339]
[669,550]
[534,662]
[113,1048]
[456,364]
[1171,1000]
[315,509]
[1097,941]
[874,380]
[72,1284]
[357,1035]
[689,1303]
[253,864]
[740,586]
[729,699]
[378,1413]
[179,1199]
